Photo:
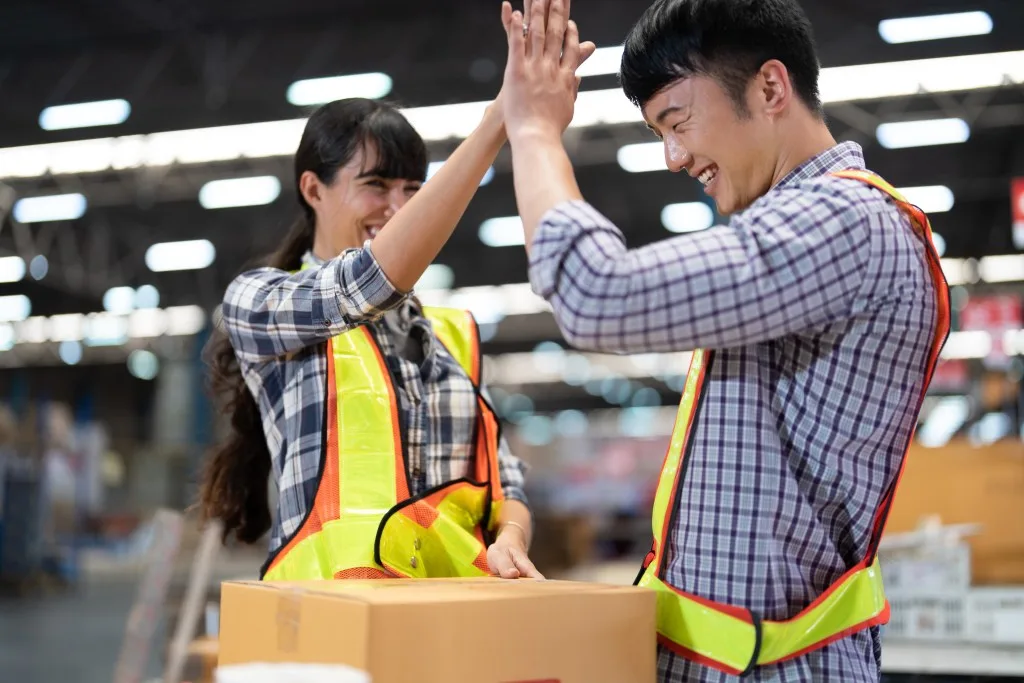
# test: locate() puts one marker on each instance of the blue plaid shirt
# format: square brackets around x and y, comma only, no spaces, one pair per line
[278,324]
[820,306]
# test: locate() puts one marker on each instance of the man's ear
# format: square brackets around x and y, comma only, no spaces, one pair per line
[774,88]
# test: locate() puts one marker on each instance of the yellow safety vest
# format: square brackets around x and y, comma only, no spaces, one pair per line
[363,522]
[731,638]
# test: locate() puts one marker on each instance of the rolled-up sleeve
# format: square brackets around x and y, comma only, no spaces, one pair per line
[269,313]
[512,473]
[790,262]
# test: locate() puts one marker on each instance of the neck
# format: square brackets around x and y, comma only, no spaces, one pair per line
[324,250]
[804,142]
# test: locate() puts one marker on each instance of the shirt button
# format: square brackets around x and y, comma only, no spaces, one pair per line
[417,472]
[325,323]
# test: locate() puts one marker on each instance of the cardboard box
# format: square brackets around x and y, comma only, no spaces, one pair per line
[446,630]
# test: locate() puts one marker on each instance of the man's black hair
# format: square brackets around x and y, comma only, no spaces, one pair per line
[728,40]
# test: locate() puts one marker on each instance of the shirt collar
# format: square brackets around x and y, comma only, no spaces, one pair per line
[311,259]
[842,157]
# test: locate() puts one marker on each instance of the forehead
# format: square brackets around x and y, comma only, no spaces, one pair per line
[682,97]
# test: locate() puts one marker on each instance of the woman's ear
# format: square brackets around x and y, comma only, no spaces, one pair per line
[311,188]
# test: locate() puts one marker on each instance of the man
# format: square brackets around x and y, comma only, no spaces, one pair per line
[817,313]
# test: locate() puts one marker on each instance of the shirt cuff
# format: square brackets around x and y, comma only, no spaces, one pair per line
[556,235]
[362,290]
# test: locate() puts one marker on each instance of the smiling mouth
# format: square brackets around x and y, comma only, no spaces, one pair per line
[708,175]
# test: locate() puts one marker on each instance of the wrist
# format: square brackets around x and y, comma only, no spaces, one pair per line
[493,122]
[534,132]
[513,533]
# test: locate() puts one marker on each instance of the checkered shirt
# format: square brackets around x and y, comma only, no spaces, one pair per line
[278,324]
[820,305]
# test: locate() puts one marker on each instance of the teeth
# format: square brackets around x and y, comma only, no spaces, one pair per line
[707,176]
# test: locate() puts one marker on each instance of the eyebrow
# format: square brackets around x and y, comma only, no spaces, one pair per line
[665,113]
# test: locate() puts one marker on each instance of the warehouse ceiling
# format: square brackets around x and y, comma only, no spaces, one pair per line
[192,64]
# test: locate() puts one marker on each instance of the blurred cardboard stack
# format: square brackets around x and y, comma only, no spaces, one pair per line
[953,555]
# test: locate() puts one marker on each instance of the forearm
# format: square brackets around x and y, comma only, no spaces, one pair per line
[543,176]
[515,519]
[412,239]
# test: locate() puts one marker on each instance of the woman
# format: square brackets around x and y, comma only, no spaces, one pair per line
[366,406]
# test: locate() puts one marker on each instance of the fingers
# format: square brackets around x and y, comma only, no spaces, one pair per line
[537,23]
[516,42]
[506,14]
[587,50]
[571,49]
[524,566]
[501,564]
[555,29]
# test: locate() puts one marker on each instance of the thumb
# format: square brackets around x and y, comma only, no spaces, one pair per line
[587,50]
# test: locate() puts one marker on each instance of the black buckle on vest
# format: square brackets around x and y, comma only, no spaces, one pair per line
[758,637]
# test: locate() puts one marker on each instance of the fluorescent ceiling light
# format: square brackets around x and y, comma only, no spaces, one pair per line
[187,255]
[605,60]
[119,300]
[147,296]
[935,27]
[940,244]
[57,207]
[506,231]
[85,115]
[147,323]
[143,364]
[642,157]
[1009,268]
[12,268]
[223,194]
[185,320]
[959,271]
[925,133]
[435,166]
[963,345]
[33,330]
[929,198]
[106,329]
[38,267]
[875,81]
[7,337]
[312,91]
[437,276]
[687,217]
[442,122]
[14,308]
[900,79]
[68,327]
[70,352]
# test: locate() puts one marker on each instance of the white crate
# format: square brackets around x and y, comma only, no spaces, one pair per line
[927,617]
[996,615]
[928,569]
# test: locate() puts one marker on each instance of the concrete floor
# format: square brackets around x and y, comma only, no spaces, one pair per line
[73,636]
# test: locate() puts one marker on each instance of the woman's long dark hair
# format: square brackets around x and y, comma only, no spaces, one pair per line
[234,482]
